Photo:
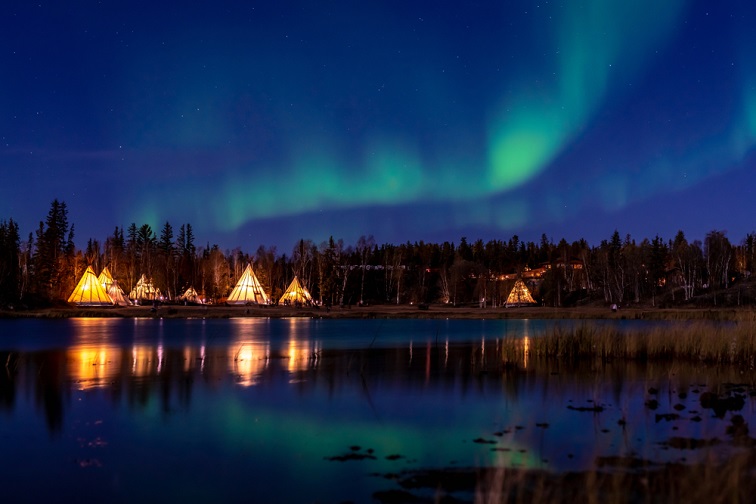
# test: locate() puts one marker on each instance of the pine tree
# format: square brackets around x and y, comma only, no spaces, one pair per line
[167,253]
[54,246]
[10,274]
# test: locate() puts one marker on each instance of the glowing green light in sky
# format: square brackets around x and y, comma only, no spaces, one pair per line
[745,140]
[596,41]
[544,104]
[391,172]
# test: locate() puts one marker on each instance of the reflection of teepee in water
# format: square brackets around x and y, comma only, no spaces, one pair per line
[248,290]
[89,291]
[295,294]
[519,295]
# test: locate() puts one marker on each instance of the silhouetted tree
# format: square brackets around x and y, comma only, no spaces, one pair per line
[10,263]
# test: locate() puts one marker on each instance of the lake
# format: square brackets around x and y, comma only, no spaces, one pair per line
[308,410]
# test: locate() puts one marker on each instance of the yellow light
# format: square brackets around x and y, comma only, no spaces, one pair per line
[90,366]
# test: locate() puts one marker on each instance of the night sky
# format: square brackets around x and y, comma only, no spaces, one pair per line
[266,122]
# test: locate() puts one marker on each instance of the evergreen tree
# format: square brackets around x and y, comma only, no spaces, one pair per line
[167,258]
[10,254]
[54,246]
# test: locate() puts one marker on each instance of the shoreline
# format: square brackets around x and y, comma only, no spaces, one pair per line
[388,312]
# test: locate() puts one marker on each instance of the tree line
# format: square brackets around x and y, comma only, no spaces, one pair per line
[45,267]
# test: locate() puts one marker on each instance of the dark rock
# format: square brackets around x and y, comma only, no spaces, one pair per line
[738,427]
[669,417]
[680,443]
[722,404]
[596,409]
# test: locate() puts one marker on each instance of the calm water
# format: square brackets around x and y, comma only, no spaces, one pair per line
[299,410]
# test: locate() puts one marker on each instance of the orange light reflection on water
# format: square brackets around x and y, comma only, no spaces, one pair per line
[525,350]
[145,360]
[93,366]
[301,353]
[248,360]
[93,362]
[525,343]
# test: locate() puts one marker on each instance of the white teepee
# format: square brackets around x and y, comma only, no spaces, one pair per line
[191,296]
[295,294]
[112,288]
[144,291]
[248,290]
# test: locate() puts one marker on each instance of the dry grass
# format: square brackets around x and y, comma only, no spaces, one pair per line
[713,482]
[712,343]
[630,481]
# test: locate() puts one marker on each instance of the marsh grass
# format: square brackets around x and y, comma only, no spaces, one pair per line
[630,480]
[710,482]
[732,343]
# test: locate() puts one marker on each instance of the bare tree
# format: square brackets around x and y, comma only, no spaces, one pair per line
[718,253]
[364,247]
[689,260]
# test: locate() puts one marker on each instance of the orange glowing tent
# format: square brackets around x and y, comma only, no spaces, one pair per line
[89,291]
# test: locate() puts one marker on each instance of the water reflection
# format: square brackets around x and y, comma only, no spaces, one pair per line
[93,366]
[249,359]
[278,397]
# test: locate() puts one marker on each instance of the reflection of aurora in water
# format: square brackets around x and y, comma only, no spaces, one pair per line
[219,401]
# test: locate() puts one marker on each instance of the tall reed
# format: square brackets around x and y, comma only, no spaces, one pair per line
[706,482]
[706,342]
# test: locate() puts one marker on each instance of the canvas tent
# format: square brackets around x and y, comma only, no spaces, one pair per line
[295,294]
[144,290]
[248,290]
[519,295]
[117,295]
[112,288]
[190,296]
[89,291]
[105,278]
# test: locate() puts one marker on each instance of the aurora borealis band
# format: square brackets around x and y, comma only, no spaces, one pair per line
[263,123]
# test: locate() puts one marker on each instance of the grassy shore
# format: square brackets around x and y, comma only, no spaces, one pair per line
[390,311]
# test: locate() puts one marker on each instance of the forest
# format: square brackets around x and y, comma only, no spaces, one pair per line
[42,269]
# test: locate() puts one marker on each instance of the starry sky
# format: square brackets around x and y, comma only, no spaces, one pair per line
[267,122]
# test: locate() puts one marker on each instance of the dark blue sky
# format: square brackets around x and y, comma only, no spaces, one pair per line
[262,123]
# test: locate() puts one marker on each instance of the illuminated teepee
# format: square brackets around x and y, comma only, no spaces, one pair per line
[89,291]
[112,288]
[117,295]
[144,291]
[190,296]
[295,294]
[105,278]
[248,290]
[519,295]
